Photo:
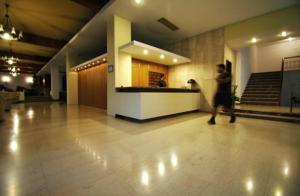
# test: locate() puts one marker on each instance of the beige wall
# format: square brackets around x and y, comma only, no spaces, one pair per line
[206,51]
[269,56]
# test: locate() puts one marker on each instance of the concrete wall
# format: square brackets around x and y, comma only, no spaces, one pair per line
[206,51]
[16,81]
[230,55]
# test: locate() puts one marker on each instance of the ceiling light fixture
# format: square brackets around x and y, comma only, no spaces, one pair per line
[162,56]
[290,39]
[138,2]
[254,40]
[146,52]
[104,59]
[7,30]
[14,71]
[10,59]
[175,60]
[283,34]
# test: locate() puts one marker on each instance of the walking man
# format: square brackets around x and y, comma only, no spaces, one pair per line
[223,96]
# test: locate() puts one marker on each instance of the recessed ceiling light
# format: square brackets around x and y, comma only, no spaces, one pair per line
[146,52]
[98,61]
[138,2]
[290,39]
[175,60]
[162,56]
[283,33]
[254,40]
[104,59]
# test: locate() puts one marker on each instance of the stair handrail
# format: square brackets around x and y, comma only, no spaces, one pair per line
[283,69]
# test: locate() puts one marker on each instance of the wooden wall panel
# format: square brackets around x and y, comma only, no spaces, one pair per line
[92,86]
[141,69]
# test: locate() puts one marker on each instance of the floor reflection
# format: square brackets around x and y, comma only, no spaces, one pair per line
[82,152]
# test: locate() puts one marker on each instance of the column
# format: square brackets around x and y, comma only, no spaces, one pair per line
[55,82]
[118,34]
[72,82]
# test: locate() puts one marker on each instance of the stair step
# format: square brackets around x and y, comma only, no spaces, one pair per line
[263,83]
[268,117]
[38,99]
[262,78]
[265,90]
[267,73]
[245,99]
[255,90]
[260,95]
[268,113]
[274,103]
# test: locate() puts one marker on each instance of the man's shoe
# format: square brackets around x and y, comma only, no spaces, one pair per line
[211,121]
[232,119]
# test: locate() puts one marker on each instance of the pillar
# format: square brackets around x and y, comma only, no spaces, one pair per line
[120,65]
[72,82]
[55,82]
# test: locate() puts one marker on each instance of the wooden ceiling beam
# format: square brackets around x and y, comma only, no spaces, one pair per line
[4,64]
[22,68]
[26,57]
[42,41]
[94,5]
[22,71]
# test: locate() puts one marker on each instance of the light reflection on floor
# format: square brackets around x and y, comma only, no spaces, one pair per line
[51,149]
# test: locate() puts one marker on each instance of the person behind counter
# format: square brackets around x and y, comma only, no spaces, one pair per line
[162,81]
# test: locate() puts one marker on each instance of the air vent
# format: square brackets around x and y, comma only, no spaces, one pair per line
[168,24]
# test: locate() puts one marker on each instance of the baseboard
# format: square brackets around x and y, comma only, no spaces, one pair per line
[153,119]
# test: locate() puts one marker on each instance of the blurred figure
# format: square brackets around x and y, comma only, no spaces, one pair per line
[223,95]
[162,81]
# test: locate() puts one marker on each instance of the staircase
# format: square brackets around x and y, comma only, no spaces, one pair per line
[263,89]
[274,116]
[38,99]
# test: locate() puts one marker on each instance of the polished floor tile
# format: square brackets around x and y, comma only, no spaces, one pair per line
[54,149]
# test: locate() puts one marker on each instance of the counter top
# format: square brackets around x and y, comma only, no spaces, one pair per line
[155,90]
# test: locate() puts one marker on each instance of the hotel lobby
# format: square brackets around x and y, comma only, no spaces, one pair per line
[113,97]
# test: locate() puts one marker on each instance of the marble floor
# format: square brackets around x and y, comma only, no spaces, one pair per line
[52,149]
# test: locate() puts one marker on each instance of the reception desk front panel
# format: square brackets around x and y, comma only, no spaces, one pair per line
[151,103]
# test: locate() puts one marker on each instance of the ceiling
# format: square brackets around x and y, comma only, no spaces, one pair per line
[47,27]
[191,16]
[149,53]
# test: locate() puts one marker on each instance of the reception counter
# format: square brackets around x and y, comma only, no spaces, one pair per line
[143,104]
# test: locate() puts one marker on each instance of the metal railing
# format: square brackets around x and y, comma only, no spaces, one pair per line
[291,63]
